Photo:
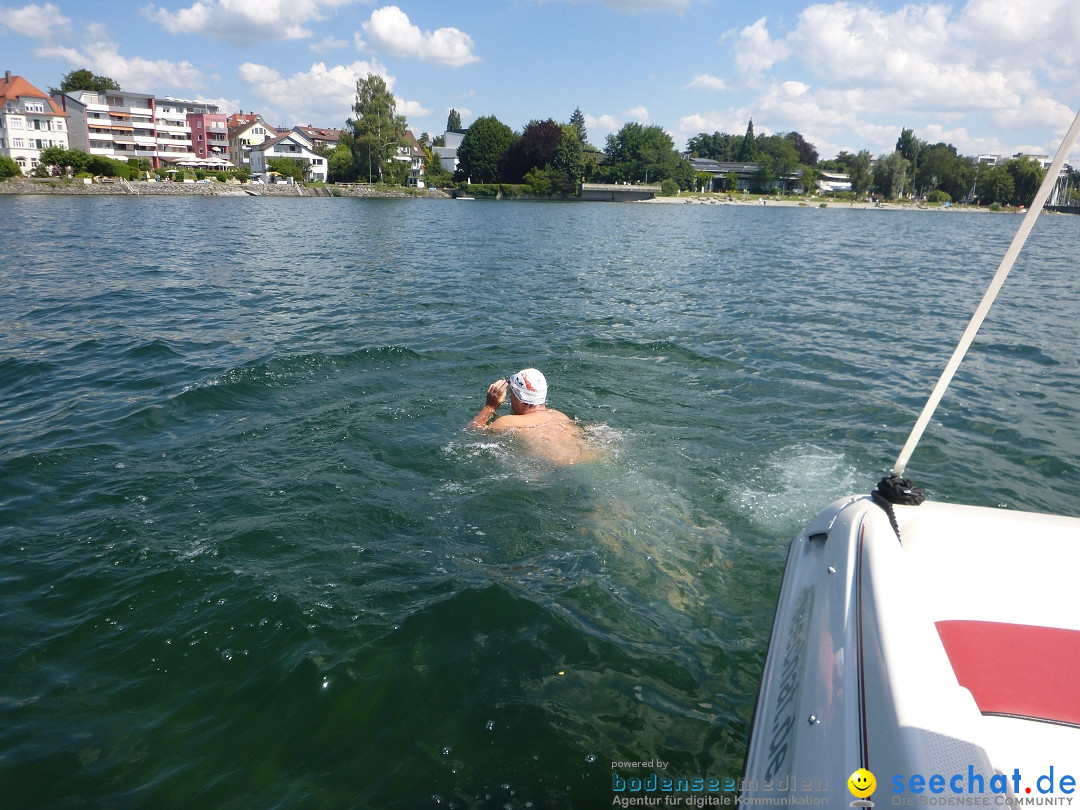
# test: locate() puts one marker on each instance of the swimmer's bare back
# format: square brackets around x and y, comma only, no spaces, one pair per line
[558,440]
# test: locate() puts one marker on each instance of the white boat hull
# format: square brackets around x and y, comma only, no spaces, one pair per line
[873,639]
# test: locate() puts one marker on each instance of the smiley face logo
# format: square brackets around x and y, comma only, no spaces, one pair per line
[861,783]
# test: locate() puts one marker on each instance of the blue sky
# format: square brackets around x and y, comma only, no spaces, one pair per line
[989,76]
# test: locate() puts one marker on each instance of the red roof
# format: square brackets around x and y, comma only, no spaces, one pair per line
[13,88]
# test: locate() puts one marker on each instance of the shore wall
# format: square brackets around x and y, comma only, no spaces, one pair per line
[22,185]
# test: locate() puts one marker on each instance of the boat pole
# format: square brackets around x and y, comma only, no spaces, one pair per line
[1021,236]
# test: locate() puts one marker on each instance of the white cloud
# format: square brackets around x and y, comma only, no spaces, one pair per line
[320,95]
[600,127]
[756,51]
[708,82]
[327,44]
[632,6]
[412,109]
[390,31]
[245,21]
[639,114]
[99,54]
[33,20]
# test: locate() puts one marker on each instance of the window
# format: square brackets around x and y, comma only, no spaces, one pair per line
[34,106]
[18,143]
[114,101]
[17,123]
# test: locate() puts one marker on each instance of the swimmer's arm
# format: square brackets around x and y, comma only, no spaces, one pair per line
[496,395]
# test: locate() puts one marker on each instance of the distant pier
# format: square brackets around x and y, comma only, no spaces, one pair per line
[615,192]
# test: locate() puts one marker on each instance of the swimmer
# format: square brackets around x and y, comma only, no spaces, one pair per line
[547,432]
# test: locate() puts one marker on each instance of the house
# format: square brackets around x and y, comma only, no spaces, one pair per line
[209,137]
[721,171]
[322,138]
[123,125]
[447,153]
[176,143]
[412,154]
[246,131]
[114,125]
[291,145]
[29,122]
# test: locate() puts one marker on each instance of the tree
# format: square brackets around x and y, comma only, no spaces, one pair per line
[8,168]
[860,173]
[577,121]
[639,153]
[568,163]
[719,146]
[704,180]
[453,121]
[287,167]
[1027,174]
[783,155]
[890,175]
[996,185]
[482,148]
[910,149]
[808,155]
[84,80]
[535,149]
[748,147]
[435,173]
[377,131]
[61,158]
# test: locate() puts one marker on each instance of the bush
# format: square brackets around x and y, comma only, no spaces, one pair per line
[9,168]
[995,206]
[669,188]
[938,196]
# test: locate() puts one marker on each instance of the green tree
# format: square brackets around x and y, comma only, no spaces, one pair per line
[890,175]
[453,121]
[910,149]
[784,156]
[996,185]
[482,149]
[748,147]
[577,121]
[940,168]
[9,168]
[535,149]
[84,80]
[435,174]
[539,182]
[568,163]
[808,154]
[377,131]
[340,166]
[639,153]
[719,146]
[287,167]
[860,173]
[704,180]
[1027,174]
[61,158]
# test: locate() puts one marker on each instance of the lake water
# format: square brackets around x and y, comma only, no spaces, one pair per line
[249,557]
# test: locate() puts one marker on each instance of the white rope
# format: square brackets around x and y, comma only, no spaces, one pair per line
[988,297]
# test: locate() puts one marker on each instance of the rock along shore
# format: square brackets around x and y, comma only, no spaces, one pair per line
[23,185]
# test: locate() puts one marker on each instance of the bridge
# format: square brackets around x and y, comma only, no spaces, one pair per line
[616,192]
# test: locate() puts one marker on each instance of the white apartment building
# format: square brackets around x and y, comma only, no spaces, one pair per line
[29,122]
[122,125]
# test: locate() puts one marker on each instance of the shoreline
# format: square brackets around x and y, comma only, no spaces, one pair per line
[756,201]
[134,188]
[121,188]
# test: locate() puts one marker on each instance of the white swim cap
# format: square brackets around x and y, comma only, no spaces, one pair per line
[529,386]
